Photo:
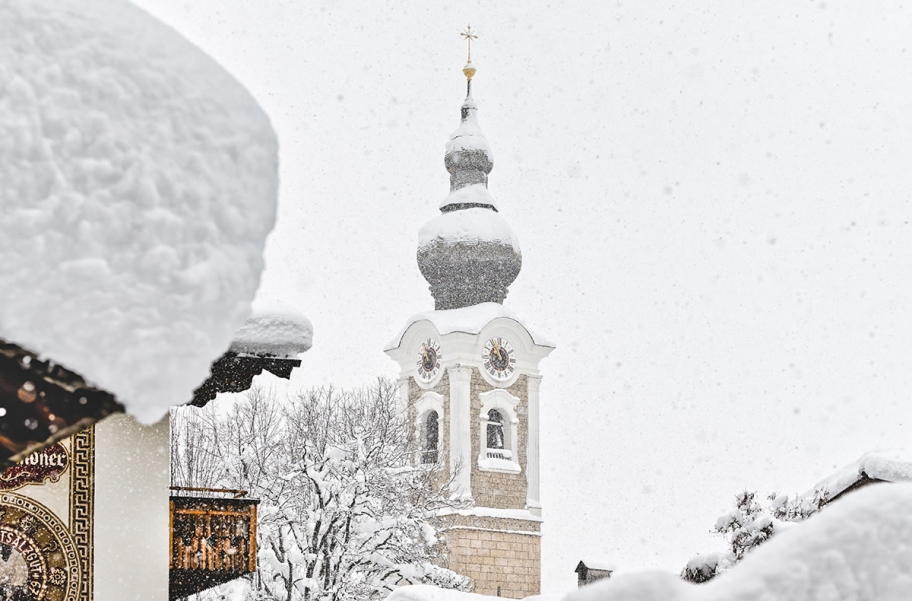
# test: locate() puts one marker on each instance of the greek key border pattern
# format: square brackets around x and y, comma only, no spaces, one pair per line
[82,505]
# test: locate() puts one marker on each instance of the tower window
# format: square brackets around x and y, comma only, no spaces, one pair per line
[431,438]
[495,435]
[498,432]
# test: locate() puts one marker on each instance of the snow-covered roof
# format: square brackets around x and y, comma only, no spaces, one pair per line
[469,320]
[282,333]
[598,562]
[468,225]
[138,183]
[890,465]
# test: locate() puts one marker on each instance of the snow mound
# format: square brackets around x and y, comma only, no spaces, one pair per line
[468,225]
[279,333]
[470,320]
[891,466]
[138,182]
[469,195]
[859,549]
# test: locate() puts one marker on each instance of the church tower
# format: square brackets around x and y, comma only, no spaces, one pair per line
[469,370]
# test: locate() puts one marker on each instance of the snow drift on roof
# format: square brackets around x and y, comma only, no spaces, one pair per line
[277,332]
[469,320]
[138,183]
[468,225]
[858,549]
[891,465]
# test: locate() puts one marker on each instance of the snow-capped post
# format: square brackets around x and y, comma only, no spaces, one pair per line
[139,185]
[271,340]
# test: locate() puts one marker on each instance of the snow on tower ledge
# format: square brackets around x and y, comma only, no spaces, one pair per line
[469,225]
[139,183]
[468,320]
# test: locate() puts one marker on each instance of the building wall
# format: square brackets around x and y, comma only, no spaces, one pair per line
[505,562]
[131,510]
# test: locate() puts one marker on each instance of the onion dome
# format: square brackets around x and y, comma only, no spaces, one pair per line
[468,254]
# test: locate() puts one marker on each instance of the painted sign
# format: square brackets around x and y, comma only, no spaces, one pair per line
[40,562]
[46,464]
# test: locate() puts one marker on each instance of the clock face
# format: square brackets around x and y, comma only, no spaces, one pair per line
[499,358]
[428,362]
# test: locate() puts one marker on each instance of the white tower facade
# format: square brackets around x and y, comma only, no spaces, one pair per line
[470,372]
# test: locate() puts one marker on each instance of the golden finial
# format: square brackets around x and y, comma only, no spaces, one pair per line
[468,36]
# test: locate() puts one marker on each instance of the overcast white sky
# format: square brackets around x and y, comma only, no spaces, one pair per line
[713,205]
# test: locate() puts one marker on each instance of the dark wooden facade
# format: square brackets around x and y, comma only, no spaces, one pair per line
[42,402]
[587,575]
[213,540]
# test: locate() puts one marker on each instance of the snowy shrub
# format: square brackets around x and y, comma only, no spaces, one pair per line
[747,525]
[446,579]
[345,512]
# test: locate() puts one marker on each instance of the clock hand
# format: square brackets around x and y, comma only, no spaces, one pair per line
[424,352]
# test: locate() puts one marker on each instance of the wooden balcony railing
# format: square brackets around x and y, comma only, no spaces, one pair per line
[213,540]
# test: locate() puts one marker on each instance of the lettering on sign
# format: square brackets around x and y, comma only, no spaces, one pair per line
[46,464]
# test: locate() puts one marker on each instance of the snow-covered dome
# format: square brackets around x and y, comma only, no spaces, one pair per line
[468,155]
[138,183]
[469,254]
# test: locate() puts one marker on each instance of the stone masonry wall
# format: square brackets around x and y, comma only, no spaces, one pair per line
[507,564]
[497,489]
[501,555]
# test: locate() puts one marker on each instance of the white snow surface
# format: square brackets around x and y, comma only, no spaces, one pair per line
[138,183]
[890,465]
[859,549]
[468,136]
[424,592]
[276,332]
[470,320]
[471,194]
[468,226]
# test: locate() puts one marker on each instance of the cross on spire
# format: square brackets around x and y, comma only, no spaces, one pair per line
[468,36]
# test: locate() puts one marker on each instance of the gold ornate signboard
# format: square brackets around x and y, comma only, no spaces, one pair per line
[38,559]
[46,525]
